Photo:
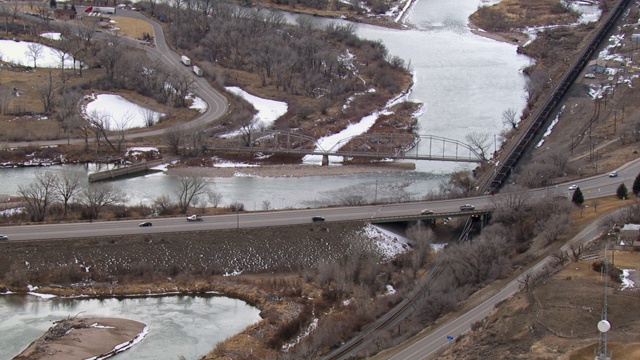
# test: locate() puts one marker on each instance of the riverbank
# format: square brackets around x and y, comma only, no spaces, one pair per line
[292,170]
[85,338]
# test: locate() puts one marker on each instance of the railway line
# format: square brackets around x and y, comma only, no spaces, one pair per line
[542,116]
[540,119]
[390,319]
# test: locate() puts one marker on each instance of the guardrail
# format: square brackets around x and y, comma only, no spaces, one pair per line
[377,220]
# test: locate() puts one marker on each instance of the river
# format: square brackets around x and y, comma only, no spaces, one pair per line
[464,81]
[188,326]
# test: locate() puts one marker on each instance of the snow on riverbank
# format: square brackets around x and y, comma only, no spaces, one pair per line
[331,142]
[268,110]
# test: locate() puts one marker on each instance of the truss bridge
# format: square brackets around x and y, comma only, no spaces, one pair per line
[376,146]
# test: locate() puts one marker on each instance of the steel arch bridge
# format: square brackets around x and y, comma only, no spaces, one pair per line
[376,145]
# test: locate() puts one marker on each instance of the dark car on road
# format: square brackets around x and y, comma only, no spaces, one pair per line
[145,224]
[317,219]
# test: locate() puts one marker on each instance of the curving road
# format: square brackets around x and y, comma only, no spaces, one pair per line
[217,104]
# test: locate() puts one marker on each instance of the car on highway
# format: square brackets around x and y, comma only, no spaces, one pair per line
[194,218]
[613,174]
[467,207]
[317,219]
[4,237]
[426,212]
[145,224]
[573,187]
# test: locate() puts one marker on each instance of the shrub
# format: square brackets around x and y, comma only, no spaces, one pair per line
[622,191]
[236,206]
[578,197]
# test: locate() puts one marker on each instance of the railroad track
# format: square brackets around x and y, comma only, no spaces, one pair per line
[553,100]
[390,319]
[541,117]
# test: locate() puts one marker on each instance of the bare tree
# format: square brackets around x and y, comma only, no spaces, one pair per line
[122,127]
[215,198]
[422,238]
[38,195]
[182,86]
[67,184]
[189,187]
[479,141]
[174,138]
[164,205]
[112,52]
[354,200]
[550,229]
[34,52]
[462,181]
[196,138]
[149,116]
[509,118]
[483,259]
[512,198]
[67,111]
[96,197]
[47,94]
[247,128]
[63,55]
[100,124]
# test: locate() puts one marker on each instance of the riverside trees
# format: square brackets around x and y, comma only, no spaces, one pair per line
[314,68]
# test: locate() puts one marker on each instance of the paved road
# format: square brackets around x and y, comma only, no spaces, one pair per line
[432,343]
[217,103]
[592,187]
[596,186]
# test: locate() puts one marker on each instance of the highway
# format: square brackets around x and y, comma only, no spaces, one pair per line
[592,187]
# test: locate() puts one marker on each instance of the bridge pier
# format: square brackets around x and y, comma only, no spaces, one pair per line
[325,160]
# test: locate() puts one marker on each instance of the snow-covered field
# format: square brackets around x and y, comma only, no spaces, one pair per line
[23,53]
[119,113]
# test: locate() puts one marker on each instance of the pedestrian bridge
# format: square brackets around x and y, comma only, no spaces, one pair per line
[377,146]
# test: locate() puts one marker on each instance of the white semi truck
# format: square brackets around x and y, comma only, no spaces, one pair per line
[104,9]
[197,70]
[185,60]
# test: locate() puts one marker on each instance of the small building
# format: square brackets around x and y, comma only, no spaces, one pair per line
[64,14]
[630,235]
[596,68]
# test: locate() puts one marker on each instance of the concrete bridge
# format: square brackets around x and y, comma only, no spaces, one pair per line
[129,170]
[377,146]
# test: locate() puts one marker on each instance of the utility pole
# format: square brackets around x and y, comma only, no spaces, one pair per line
[604,325]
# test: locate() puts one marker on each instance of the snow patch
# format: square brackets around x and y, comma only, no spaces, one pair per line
[627,284]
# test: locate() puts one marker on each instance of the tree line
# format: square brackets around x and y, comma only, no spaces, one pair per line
[317,67]
[66,195]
